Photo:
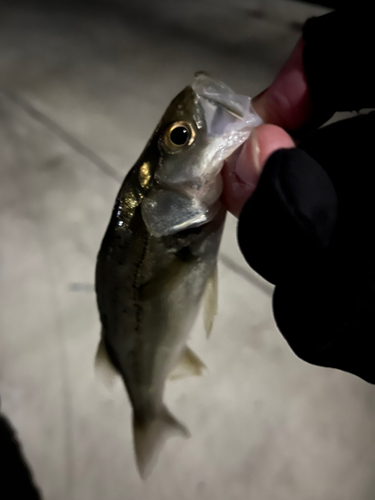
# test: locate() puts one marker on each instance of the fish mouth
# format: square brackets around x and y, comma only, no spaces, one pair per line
[235,109]
[220,94]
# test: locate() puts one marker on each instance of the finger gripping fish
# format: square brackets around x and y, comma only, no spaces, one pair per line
[159,253]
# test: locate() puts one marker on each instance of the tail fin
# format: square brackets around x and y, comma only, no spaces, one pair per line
[149,438]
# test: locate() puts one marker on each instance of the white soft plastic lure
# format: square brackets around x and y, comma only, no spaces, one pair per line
[159,253]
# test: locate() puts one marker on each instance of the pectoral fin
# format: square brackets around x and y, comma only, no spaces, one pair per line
[165,280]
[104,368]
[189,365]
[210,301]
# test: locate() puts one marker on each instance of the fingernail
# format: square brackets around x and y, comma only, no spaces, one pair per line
[247,165]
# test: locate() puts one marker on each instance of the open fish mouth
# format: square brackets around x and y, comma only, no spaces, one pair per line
[227,114]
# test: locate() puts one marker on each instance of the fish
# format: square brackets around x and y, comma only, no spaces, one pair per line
[158,257]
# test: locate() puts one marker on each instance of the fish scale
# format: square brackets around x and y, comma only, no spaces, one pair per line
[159,254]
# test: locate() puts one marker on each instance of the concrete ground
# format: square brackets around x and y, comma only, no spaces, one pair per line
[82,85]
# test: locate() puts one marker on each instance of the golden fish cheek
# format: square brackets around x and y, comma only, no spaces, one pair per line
[145,175]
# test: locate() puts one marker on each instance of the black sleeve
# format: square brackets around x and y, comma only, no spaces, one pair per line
[15,476]
[309,229]
[338,59]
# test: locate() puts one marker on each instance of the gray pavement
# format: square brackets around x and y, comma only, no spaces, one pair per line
[82,86]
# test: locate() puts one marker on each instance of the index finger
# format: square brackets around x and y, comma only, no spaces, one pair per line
[329,70]
[287,102]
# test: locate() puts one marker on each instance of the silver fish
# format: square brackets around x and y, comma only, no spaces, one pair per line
[159,253]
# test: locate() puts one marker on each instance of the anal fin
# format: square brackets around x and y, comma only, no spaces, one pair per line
[188,366]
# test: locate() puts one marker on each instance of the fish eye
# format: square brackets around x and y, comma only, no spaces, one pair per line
[178,135]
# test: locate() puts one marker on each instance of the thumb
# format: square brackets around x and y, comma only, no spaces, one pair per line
[242,170]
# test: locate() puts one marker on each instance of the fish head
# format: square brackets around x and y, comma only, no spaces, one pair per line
[201,127]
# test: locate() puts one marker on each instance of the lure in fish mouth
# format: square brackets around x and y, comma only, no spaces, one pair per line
[158,257]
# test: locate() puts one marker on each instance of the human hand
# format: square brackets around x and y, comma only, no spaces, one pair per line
[310,212]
